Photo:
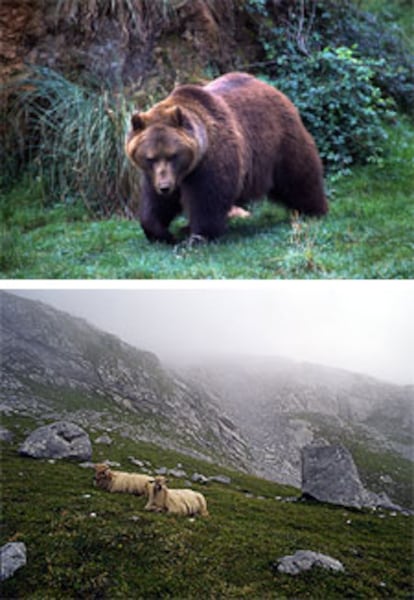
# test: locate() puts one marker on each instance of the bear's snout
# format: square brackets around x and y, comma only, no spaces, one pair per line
[164,178]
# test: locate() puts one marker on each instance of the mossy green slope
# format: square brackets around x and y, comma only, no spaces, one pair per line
[83,542]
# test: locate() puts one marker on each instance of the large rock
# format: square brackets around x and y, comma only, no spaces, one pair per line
[12,557]
[329,475]
[58,440]
[303,560]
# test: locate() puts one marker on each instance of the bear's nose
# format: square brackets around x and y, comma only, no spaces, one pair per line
[164,188]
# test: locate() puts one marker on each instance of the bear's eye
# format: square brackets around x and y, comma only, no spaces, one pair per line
[149,161]
[172,157]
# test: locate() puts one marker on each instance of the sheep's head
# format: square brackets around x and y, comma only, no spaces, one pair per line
[102,473]
[160,483]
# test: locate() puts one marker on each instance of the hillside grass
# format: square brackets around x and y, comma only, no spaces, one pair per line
[83,542]
[367,234]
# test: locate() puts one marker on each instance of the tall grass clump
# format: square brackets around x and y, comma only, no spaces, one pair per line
[70,137]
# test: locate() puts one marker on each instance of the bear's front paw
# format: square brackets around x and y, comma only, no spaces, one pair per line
[196,239]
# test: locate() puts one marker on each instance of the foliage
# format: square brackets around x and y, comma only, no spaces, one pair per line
[367,234]
[70,137]
[301,29]
[373,35]
[338,101]
[84,542]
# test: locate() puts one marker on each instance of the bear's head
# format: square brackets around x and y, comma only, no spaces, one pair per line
[166,142]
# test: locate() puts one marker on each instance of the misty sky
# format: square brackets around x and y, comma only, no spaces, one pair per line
[363,326]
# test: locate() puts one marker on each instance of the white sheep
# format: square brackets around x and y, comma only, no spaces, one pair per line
[178,502]
[119,481]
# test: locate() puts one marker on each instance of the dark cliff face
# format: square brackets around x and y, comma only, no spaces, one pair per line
[55,363]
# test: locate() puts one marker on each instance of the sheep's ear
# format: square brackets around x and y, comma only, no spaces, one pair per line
[137,122]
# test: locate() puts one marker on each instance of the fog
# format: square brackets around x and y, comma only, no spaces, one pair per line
[362,326]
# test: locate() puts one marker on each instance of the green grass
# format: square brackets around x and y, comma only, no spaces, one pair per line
[124,552]
[367,234]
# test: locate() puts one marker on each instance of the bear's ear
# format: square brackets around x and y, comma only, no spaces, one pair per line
[137,122]
[179,118]
[176,116]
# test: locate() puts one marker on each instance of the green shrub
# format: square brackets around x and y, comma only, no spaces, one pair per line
[372,36]
[339,103]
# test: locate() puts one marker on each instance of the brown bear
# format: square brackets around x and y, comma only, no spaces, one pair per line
[208,150]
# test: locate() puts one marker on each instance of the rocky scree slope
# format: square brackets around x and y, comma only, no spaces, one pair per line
[56,366]
[280,406]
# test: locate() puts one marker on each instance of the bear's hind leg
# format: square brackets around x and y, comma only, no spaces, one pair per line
[304,193]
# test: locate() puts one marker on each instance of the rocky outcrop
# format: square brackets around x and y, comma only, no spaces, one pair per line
[329,475]
[58,440]
[303,560]
[12,558]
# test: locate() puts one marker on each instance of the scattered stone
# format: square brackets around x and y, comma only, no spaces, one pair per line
[221,479]
[179,473]
[291,499]
[303,560]
[199,478]
[87,465]
[136,462]
[104,439]
[12,557]
[58,440]
[5,435]
[162,471]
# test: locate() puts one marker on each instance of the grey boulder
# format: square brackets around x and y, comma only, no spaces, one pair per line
[58,440]
[303,560]
[12,557]
[329,475]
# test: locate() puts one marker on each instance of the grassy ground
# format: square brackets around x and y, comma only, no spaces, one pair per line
[367,234]
[83,542]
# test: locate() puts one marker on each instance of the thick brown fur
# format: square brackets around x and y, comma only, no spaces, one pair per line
[205,150]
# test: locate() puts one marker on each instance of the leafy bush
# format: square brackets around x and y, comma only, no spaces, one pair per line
[71,137]
[372,36]
[338,101]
